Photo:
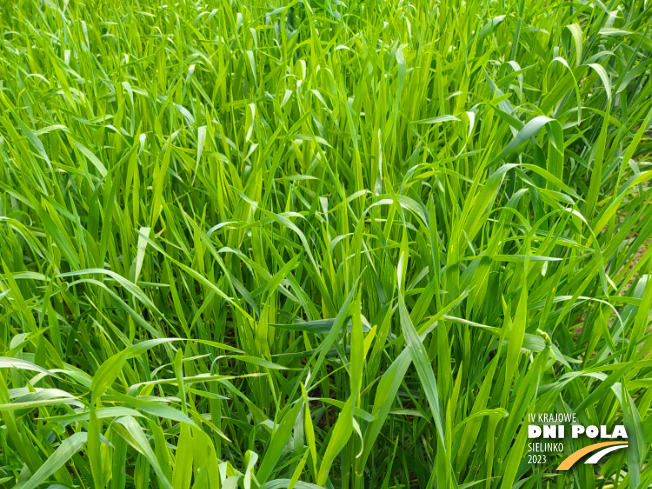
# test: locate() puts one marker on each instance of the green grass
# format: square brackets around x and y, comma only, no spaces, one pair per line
[272,244]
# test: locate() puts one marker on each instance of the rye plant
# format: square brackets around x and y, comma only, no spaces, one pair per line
[277,244]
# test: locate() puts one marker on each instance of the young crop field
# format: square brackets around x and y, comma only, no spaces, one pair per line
[349,244]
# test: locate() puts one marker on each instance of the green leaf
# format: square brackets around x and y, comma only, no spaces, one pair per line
[69,447]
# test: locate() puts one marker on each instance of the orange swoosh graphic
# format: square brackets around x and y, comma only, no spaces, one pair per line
[575,456]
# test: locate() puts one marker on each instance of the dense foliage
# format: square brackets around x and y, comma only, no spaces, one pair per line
[278,244]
